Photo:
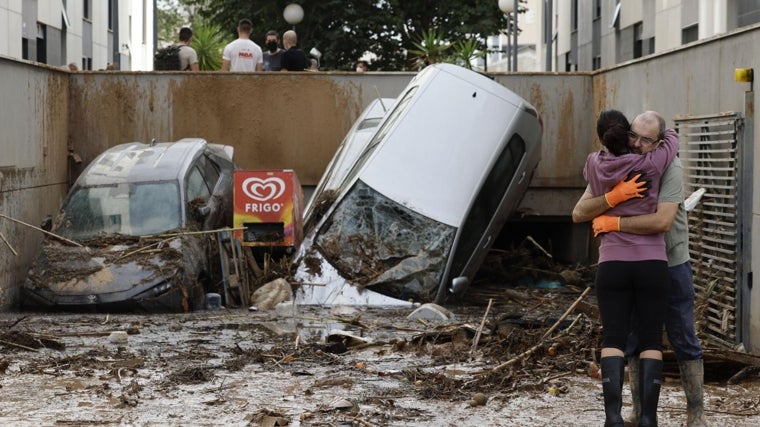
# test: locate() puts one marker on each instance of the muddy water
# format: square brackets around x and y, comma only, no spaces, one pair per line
[237,368]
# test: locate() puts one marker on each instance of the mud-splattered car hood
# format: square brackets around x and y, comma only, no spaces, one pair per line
[108,273]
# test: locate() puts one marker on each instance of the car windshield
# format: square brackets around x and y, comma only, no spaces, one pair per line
[377,242]
[136,209]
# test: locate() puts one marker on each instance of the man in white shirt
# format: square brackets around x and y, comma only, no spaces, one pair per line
[243,54]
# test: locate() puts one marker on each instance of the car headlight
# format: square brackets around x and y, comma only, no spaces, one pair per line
[160,289]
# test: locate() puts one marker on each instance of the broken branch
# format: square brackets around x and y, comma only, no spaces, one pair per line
[17,345]
[9,245]
[528,352]
[189,233]
[144,248]
[480,328]
[535,243]
[44,231]
[567,313]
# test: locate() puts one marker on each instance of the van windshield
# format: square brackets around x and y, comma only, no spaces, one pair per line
[131,209]
[374,241]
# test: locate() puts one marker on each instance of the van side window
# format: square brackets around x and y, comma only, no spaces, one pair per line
[487,202]
[210,170]
[196,186]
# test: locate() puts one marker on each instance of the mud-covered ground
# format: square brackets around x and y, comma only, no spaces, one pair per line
[296,368]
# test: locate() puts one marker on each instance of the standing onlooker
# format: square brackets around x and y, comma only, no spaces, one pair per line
[273,53]
[188,57]
[362,66]
[242,54]
[294,59]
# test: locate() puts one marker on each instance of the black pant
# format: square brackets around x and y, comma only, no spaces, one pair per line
[625,286]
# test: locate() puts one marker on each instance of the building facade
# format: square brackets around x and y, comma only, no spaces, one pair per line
[93,34]
[584,35]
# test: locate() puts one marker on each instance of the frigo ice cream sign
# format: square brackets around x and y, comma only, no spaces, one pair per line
[268,208]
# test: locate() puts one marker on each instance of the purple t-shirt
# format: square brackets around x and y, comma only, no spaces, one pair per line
[603,170]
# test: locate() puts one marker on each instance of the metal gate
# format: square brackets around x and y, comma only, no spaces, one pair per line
[710,149]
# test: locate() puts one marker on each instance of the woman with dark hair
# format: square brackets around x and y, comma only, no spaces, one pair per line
[632,277]
[612,129]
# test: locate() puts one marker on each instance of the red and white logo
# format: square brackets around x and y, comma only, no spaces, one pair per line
[263,189]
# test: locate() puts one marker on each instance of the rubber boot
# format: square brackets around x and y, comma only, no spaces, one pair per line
[613,370]
[633,382]
[692,378]
[650,379]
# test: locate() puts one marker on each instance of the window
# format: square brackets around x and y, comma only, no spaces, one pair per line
[574,15]
[637,42]
[487,203]
[87,9]
[65,16]
[369,233]
[210,170]
[111,14]
[690,34]
[41,43]
[597,63]
[131,209]
[615,20]
[197,187]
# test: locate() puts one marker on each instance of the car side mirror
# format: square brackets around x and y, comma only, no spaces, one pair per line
[458,284]
[47,223]
[203,211]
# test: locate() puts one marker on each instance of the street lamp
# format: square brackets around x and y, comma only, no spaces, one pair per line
[510,6]
[293,14]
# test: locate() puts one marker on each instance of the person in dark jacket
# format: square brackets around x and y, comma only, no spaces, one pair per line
[294,59]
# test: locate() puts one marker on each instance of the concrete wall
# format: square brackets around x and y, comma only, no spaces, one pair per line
[273,120]
[297,121]
[33,162]
[294,121]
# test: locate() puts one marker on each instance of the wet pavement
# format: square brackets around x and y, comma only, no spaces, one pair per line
[313,367]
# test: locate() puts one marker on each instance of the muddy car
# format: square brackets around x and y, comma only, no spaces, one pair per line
[426,197]
[138,212]
[348,151]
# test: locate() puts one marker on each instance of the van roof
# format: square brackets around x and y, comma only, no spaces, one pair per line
[139,162]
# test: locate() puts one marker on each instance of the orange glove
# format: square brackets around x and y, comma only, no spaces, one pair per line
[605,224]
[625,190]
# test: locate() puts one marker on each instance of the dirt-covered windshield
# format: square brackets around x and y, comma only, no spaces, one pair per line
[135,209]
[380,243]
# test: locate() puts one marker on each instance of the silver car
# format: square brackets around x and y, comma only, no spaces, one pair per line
[136,211]
[426,197]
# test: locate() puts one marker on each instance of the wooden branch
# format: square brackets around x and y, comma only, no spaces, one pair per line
[190,233]
[17,345]
[567,313]
[480,328]
[527,352]
[144,248]
[535,243]
[44,231]
[8,243]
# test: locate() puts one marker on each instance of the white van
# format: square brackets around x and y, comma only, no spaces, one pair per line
[349,150]
[426,197]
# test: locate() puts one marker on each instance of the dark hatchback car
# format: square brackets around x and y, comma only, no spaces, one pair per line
[137,210]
